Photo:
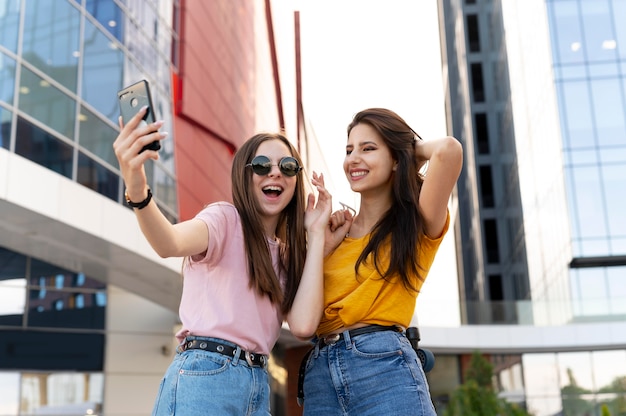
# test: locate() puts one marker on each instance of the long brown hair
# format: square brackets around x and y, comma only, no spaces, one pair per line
[290,229]
[402,224]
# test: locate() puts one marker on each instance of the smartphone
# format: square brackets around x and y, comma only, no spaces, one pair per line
[132,99]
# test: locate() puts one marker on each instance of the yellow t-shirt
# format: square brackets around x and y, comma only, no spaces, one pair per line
[369,298]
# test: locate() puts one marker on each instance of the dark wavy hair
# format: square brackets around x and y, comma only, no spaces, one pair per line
[402,224]
[290,227]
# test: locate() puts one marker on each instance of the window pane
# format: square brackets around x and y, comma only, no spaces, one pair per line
[63,299]
[97,177]
[109,15]
[608,111]
[588,191]
[12,301]
[51,30]
[576,105]
[619,11]
[9,22]
[600,42]
[50,350]
[5,128]
[43,148]
[96,136]
[567,46]
[165,189]
[576,382]
[7,78]
[62,393]
[609,370]
[10,388]
[593,294]
[59,309]
[47,104]
[613,176]
[616,277]
[543,395]
[102,72]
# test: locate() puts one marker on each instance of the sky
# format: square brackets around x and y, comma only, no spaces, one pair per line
[367,53]
[358,54]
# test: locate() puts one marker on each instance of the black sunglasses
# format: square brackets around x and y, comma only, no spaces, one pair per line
[262,165]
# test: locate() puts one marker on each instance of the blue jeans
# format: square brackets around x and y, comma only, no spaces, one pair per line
[202,383]
[371,374]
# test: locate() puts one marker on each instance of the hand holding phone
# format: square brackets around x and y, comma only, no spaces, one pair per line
[132,99]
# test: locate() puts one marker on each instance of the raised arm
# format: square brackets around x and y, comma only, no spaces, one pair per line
[168,240]
[445,159]
[308,304]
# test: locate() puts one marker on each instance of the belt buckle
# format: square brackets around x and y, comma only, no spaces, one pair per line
[331,339]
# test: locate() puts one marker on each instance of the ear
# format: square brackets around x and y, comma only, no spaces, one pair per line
[395,166]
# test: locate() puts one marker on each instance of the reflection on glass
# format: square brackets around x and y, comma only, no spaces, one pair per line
[103,66]
[12,301]
[109,15]
[39,99]
[614,186]
[540,375]
[9,22]
[608,111]
[62,393]
[43,148]
[596,17]
[48,275]
[543,396]
[58,309]
[576,111]
[5,128]
[51,32]
[609,371]
[97,177]
[589,202]
[97,136]
[7,78]
[565,20]
[165,186]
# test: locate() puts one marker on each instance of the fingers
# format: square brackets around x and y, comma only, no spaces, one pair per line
[310,203]
[129,142]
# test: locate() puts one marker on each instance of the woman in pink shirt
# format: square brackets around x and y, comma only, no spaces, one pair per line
[248,266]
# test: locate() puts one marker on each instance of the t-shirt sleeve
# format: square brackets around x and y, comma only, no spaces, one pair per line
[220,218]
[429,246]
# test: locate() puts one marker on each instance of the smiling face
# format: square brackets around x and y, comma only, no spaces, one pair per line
[275,190]
[368,164]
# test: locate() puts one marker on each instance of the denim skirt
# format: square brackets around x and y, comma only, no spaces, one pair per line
[202,383]
[371,374]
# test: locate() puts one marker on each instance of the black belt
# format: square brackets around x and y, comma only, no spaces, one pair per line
[331,340]
[256,360]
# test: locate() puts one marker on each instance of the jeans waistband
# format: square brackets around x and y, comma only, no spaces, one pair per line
[333,338]
[253,359]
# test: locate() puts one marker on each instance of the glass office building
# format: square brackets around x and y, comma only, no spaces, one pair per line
[537,95]
[589,56]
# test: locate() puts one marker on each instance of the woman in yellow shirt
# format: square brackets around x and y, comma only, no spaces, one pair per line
[375,264]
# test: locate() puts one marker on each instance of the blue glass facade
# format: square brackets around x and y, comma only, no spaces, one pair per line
[61,64]
[589,56]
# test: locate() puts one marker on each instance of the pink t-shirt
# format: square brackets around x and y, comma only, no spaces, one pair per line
[217,300]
